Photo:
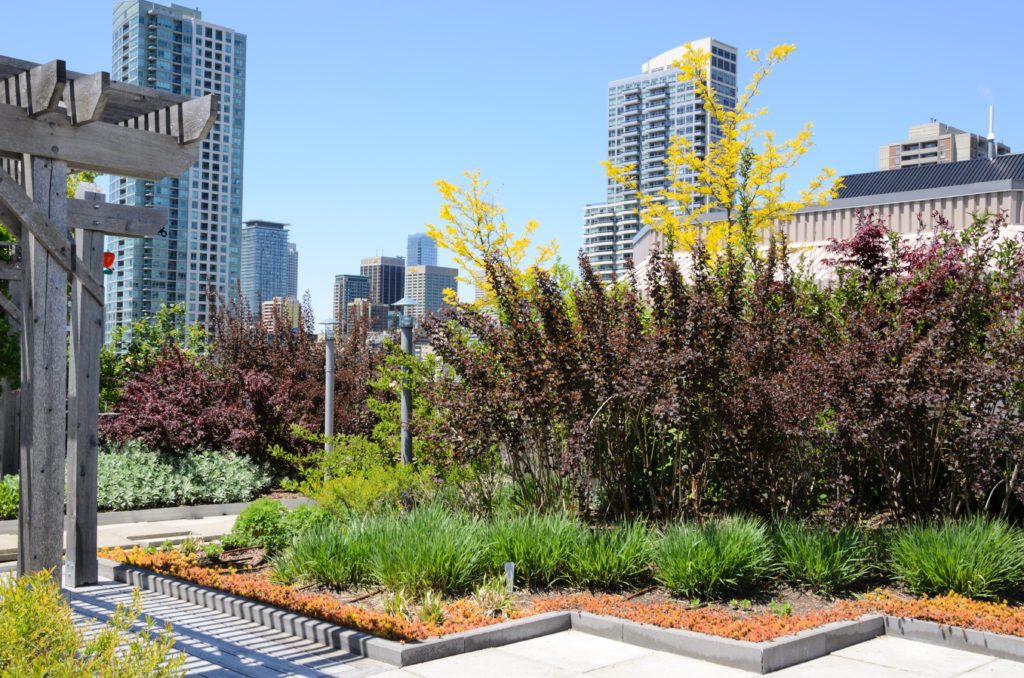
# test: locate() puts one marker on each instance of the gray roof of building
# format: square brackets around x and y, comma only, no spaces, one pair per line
[961,173]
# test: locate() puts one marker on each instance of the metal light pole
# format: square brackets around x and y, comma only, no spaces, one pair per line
[328,388]
[405,325]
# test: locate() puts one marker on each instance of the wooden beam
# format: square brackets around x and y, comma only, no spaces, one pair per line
[37,90]
[12,310]
[46,235]
[86,98]
[104,148]
[127,221]
[9,272]
[188,122]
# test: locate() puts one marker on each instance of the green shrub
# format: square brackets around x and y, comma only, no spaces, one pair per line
[264,523]
[613,558]
[820,559]
[426,549]
[376,489]
[328,553]
[540,545]
[9,494]
[715,559]
[129,476]
[978,557]
[39,637]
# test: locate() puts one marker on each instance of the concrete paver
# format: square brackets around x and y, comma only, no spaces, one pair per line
[662,665]
[1000,668]
[926,659]
[576,652]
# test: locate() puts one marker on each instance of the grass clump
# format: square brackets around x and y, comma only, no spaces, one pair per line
[540,545]
[715,559]
[427,549]
[612,558]
[328,553]
[978,557]
[824,561]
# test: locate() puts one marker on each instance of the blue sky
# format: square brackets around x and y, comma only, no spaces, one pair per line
[354,110]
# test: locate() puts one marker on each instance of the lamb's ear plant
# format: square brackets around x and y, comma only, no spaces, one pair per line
[978,557]
[822,560]
[712,560]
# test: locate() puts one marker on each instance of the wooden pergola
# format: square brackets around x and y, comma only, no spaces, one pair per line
[53,121]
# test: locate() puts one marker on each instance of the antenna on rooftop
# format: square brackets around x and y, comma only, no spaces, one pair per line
[991,133]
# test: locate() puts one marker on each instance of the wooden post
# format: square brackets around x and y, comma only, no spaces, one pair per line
[81,566]
[9,448]
[44,376]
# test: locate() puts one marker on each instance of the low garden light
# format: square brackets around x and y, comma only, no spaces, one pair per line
[328,386]
[405,323]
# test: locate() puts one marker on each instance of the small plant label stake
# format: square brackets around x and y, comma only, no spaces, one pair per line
[510,575]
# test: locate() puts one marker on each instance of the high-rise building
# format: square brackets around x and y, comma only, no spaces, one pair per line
[348,288]
[935,143]
[422,250]
[426,284]
[266,263]
[293,270]
[197,257]
[387,278]
[645,112]
[280,313]
[363,310]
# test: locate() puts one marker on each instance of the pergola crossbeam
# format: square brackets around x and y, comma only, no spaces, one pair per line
[188,122]
[11,310]
[85,98]
[37,89]
[128,221]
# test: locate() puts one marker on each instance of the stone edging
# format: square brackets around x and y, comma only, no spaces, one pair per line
[762,658]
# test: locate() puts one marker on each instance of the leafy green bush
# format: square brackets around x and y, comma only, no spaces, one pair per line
[820,559]
[329,553]
[426,549]
[374,489]
[540,545]
[977,557]
[612,558]
[264,523]
[39,637]
[129,476]
[714,559]
[9,494]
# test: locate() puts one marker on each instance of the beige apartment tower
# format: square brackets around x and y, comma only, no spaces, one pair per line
[426,284]
[935,143]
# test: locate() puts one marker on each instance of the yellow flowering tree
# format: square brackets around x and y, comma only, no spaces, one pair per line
[473,228]
[735,190]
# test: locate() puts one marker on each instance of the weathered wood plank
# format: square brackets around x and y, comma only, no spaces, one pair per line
[129,221]
[104,148]
[189,121]
[10,309]
[85,98]
[9,452]
[46,234]
[81,566]
[9,272]
[37,89]
[43,379]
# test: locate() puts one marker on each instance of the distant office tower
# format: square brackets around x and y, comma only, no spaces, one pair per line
[363,310]
[280,313]
[387,278]
[644,113]
[348,288]
[935,143]
[426,284]
[293,270]
[266,263]
[197,256]
[422,250]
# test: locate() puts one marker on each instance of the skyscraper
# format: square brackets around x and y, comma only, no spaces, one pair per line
[293,270]
[387,278]
[422,250]
[198,255]
[348,288]
[267,259]
[644,113]
[426,284]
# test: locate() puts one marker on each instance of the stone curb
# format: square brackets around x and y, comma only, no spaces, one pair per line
[192,512]
[956,637]
[762,658]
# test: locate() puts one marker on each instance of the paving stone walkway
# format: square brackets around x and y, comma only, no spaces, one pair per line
[219,645]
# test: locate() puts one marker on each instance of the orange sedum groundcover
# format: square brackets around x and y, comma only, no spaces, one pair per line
[464,614]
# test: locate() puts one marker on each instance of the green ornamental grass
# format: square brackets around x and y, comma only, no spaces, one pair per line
[612,558]
[977,557]
[715,559]
[822,560]
[540,545]
[329,553]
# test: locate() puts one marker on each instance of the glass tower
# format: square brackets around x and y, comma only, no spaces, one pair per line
[645,112]
[421,250]
[197,257]
[266,263]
